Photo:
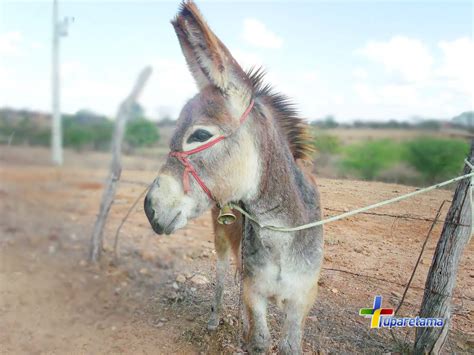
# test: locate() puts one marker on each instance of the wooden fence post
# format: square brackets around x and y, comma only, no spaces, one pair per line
[115,165]
[441,278]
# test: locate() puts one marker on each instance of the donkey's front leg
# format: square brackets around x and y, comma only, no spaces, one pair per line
[292,331]
[222,247]
[258,335]
[296,311]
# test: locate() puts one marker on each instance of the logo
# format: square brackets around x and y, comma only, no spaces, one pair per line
[383,317]
[376,312]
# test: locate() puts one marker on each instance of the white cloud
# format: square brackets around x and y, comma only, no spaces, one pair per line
[360,73]
[419,79]
[365,93]
[457,64]
[37,45]
[170,86]
[10,43]
[247,59]
[258,35]
[408,57]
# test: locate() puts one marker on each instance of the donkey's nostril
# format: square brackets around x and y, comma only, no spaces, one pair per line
[149,211]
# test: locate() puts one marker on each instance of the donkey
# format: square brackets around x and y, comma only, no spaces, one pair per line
[239,141]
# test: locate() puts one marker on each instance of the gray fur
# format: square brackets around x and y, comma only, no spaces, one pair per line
[257,166]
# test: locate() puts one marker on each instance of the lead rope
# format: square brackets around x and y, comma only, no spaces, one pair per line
[363,209]
[241,286]
[183,158]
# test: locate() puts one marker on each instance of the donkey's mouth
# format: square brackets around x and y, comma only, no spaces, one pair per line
[170,227]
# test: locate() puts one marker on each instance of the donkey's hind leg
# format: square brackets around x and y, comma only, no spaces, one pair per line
[226,238]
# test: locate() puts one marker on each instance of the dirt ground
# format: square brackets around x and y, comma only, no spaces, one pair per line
[157,298]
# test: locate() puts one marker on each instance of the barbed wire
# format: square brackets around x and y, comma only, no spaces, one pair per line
[378,214]
[404,216]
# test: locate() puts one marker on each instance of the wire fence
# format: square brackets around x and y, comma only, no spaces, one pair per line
[363,211]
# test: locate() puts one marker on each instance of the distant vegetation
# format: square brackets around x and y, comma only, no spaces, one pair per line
[415,161]
[368,159]
[436,158]
[419,152]
[84,130]
[463,121]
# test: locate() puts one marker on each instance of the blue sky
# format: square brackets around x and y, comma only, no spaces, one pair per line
[350,59]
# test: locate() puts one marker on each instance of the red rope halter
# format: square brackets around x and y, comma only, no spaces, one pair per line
[189,169]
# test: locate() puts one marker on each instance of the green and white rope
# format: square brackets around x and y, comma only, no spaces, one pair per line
[363,209]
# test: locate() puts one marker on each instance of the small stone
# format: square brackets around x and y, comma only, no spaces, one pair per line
[123,284]
[193,289]
[52,249]
[114,328]
[163,320]
[175,286]
[82,263]
[143,271]
[147,255]
[396,294]
[334,290]
[199,280]
[172,296]
[160,324]
[181,278]
[96,277]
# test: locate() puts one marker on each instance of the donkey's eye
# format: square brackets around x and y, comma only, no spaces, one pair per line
[199,135]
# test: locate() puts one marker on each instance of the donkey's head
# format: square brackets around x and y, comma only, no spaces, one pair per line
[213,153]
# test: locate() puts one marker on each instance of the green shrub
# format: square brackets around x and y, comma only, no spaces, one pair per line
[367,159]
[436,158]
[327,144]
[96,135]
[141,133]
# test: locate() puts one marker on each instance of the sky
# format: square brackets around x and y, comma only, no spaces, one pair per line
[374,60]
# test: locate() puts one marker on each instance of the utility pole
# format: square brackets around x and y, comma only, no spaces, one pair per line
[59,30]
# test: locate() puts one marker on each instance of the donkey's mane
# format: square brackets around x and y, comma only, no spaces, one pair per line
[295,129]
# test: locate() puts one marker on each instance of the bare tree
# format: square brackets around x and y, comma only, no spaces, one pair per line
[457,232]
[123,115]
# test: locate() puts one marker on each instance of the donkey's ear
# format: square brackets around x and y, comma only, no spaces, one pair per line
[209,60]
[201,79]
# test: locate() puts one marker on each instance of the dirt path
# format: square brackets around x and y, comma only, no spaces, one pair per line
[52,302]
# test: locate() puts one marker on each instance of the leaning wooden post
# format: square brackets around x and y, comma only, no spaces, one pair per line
[457,231]
[115,165]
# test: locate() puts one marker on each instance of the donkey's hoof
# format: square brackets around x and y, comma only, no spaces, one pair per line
[213,322]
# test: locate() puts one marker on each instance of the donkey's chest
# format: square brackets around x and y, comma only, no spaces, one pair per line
[280,282]
[277,272]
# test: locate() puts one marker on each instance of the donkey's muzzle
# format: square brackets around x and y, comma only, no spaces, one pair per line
[150,214]
[226,215]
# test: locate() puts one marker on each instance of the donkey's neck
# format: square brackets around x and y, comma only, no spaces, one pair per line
[284,196]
